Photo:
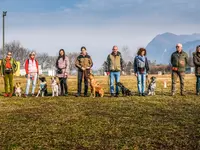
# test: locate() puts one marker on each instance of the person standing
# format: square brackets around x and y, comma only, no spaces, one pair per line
[115,66]
[62,65]
[196,60]
[8,67]
[179,61]
[84,64]
[141,69]
[31,68]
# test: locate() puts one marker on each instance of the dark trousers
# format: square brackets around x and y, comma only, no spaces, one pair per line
[81,75]
[63,86]
[180,75]
[198,84]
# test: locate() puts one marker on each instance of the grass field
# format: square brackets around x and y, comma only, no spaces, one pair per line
[153,122]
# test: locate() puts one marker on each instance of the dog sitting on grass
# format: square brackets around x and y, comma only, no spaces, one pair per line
[125,91]
[96,89]
[55,87]
[152,86]
[18,89]
[42,87]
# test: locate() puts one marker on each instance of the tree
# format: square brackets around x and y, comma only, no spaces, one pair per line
[43,60]
[72,59]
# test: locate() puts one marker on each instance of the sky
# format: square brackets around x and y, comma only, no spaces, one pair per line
[49,25]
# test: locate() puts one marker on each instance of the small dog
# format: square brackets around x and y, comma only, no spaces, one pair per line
[96,89]
[152,86]
[42,87]
[54,87]
[18,89]
[125,91]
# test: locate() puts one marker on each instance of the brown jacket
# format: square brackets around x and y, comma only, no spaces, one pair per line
[84,61]
[196,60]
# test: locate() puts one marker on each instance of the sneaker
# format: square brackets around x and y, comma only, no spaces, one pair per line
[5,95]
[10,95]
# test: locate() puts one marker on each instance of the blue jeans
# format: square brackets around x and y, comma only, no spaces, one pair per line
[114,76]
[28,82]
[198,84]
[141,80]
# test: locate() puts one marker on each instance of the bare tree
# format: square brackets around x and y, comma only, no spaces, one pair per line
[126,54]
[72,59]
[43,59]
[18,52]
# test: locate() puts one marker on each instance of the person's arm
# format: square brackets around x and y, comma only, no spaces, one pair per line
[37,66]
[26,66]
[108,64]
[15,66]
[135,65]
[147,65]
[91,63]
[122,63]
[171,60]
[195,61]
[186,59]
[67,65]
[2,68]
[77,64]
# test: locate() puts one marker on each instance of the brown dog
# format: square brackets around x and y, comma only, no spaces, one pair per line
[95,87]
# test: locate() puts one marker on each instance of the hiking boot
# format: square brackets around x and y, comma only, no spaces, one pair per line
[77,95]
[143,94]
[117,95]
[5,95]
[112,95]
[66,94]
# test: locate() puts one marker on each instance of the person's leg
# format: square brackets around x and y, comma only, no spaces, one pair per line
[86,82]
[80,75]
[34,81]
[6,83]
[198,85]
[11,83]
[143,82]
[139,80]
[182,77]
[61,86]
[112,83]
[117,79]
[174,79]
[65,86]
[28,82]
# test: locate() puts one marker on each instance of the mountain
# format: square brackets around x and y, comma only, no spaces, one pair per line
[163,45]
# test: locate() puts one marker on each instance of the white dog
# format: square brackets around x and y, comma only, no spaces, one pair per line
[18,89]
[54,87]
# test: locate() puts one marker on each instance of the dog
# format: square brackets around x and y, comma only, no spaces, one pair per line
[96,89]
[152,86]
[18,89]
[55,87]
[125,91]
[42,87]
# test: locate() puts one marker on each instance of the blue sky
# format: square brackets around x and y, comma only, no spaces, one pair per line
[48,25]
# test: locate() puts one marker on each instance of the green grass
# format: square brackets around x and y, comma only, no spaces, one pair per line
[154,122]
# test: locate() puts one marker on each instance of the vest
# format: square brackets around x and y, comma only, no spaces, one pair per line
[115,63]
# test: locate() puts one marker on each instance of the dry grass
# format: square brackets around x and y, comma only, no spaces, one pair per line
[154,122]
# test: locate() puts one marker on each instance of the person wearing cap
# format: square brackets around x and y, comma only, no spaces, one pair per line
[84,64]
[114,67]
[8,67]
[179,61]
[196,60]
[62,65]
[31,68]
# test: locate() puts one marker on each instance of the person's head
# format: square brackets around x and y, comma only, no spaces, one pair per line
[179,47]
[32,55]
[62,52]
[198,49]
[83,50]
[115,49]
[9,55]
[142,52]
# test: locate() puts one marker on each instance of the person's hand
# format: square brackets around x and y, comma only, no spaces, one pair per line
[136,74]
[182,62]
[66,74]
[27,76]
[88,68]
[83,68]
[108,73]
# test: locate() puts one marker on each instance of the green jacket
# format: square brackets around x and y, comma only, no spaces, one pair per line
[115,62]
[196,60]
[176,58]
[13,64]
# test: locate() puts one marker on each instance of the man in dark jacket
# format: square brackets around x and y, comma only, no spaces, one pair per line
[115,66]
[196,60]
[84,64]
[179,61]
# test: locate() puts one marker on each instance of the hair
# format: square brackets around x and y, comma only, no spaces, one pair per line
[31,53]
[63,54]
[114,46]
[83,47]
[197,48]
[140,50]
